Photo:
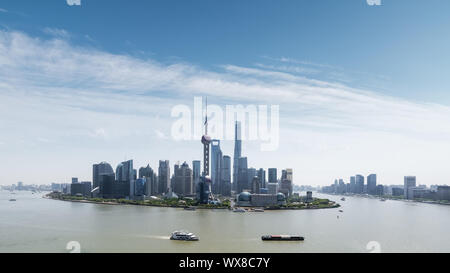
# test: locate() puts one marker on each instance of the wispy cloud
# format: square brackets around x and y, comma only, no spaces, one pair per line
[3,10]
[56,32]
[111,105]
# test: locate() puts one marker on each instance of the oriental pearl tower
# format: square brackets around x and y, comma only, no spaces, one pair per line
[204,187]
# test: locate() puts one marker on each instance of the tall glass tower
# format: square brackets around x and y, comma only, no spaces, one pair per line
[237,153]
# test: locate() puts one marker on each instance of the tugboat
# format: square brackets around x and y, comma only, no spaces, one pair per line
[282,238]
[183,236]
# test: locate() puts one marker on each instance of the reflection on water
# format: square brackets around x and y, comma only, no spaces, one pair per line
[35,224]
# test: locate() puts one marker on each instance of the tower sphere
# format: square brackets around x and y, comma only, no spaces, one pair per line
[206,139]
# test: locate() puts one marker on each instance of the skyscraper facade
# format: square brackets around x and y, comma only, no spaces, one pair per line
[216,165]
[242,179]
[196,172]
[151,181]
[183,180]
[273,175]
[409,183]
[163,177]
[226,176]
[237,153]
[372,184]
[125,174]
[262,177]
[98,170]
[359,180]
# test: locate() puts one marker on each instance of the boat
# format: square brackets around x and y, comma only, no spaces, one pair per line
[341,210]
[183,236]
[190,208]
[238,210]
[382,199]
[343,199]
[12,199]
[282,238]
[258,210]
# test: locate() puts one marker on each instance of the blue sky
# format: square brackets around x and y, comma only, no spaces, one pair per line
[383,93]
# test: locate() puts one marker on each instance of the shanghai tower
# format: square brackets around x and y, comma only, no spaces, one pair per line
[237,152]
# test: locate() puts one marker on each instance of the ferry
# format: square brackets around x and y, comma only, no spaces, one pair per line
[282,238]
[183,236]
[238,210]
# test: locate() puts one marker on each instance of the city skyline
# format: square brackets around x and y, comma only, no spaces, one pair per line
[77,92]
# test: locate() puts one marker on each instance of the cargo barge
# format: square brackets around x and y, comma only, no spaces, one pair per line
[282,238]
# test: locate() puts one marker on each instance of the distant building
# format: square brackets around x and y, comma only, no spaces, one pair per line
[183,181]
[216,165]
[83,188]
[164,177]
[359,180]
[140,187]
[125,175]
[242,179]
[262,177]
[151,180]
[443,192]
[286,186]
[273,175]
[397,191]
[237,155]
[372,184]
[196,172]
[353,184]
[272,188]
[409,182]
[256,185]
[309,197]
[225,186]
[98,170]
[247,199]
[74,180]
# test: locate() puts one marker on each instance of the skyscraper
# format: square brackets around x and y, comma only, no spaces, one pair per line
[352,184]
[125,174]
[196,172]
[237,153]
[151,181]
[183,181]
[409,182]
[372,184]
[262,177]
[256,185]
[226,176]
[251,173]
[242,179]
[216,165]
[163,177]
[273,175]
[98,170]
[359,180]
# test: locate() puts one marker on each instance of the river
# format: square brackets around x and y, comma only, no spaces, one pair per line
[35,224]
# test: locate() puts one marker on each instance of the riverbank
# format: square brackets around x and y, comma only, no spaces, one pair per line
[186,203]
[394,198]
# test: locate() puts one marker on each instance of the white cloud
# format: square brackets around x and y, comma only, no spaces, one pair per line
[56,32]
[73,2]
[3,10]
[97,106]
